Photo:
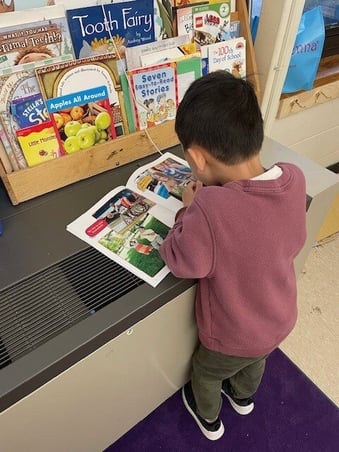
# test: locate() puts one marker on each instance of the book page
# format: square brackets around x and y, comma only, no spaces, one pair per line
[128,228]
[162,180]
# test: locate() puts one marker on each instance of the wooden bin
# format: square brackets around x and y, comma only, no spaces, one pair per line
[31,182]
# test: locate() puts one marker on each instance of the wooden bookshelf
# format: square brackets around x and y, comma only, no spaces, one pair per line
[35,181]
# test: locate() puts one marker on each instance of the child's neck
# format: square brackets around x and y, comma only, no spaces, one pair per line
[241,171]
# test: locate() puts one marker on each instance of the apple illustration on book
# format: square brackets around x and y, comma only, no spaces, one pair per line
[72,144]
[72,128]
[86,137]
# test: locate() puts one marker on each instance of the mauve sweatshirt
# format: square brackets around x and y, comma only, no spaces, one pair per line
[239,241]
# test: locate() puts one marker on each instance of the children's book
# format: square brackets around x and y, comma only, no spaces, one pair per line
[130,222]
[82,119]
[155,94]
[80,75]
[38,143]
[111,27]
[29,111]
[35,38]
[228,56]
[183,19]
[134,55]
[211,23]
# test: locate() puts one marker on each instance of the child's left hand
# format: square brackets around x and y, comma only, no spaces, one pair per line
[190,191]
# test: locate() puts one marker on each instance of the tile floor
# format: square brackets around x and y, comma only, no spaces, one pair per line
[314,343]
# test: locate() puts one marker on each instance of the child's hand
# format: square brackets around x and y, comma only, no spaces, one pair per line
[189,192]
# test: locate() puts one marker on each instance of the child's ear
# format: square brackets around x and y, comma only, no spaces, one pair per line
[198,158]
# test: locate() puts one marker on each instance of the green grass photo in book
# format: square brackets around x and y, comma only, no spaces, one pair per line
[130,222]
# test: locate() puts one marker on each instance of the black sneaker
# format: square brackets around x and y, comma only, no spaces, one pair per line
[241,406]
[213,430]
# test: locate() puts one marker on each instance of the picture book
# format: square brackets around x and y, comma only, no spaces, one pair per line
[38,143]
[188,70]
[28,111]
[154,90]
[80,75]
[130,222]
[134,55]
[228,56]
[14,86]
[35,38]
[183,19]
[9,6]
[82,119]
[211,23]
[111,27]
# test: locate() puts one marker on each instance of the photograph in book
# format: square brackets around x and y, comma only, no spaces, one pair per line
[154,90]
[34,38]
[82,120]
[228,56]
[84,74]
[111,27]
[129,223]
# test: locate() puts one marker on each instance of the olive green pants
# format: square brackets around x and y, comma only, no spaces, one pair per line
[210,368]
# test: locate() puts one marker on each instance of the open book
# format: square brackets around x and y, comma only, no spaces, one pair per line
[130,222]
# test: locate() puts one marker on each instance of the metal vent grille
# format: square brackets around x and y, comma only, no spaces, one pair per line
[40,307]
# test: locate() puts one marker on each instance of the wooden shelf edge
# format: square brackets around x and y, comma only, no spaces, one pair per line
[40,179]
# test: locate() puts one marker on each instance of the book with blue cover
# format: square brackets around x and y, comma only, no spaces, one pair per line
[110,28]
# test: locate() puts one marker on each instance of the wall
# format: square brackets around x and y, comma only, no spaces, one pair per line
[313,132]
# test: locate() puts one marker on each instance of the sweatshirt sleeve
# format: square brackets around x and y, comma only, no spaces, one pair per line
[188,249]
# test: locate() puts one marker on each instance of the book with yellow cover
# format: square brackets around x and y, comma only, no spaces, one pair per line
[38,143]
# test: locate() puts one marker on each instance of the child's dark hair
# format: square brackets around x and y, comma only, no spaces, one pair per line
[220,113]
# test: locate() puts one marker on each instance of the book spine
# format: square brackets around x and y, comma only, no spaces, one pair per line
[128,103]
[5,144]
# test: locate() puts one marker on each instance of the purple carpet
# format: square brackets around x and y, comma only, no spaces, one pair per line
[291,414]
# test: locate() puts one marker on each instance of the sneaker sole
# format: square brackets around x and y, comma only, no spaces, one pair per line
[213,436]
[243,410]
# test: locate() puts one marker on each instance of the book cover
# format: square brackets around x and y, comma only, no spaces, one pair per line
[228,56]
[130,222]
[80,75]
[35,38]
[111,27]
[29,111]
[135,54]
[183,19]
[155,95]
[38,143]
[82,119]
[211,23]
[188,70]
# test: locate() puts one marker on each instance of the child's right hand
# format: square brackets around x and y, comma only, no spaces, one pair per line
[190,191]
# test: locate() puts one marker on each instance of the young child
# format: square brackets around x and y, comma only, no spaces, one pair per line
[238,233]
